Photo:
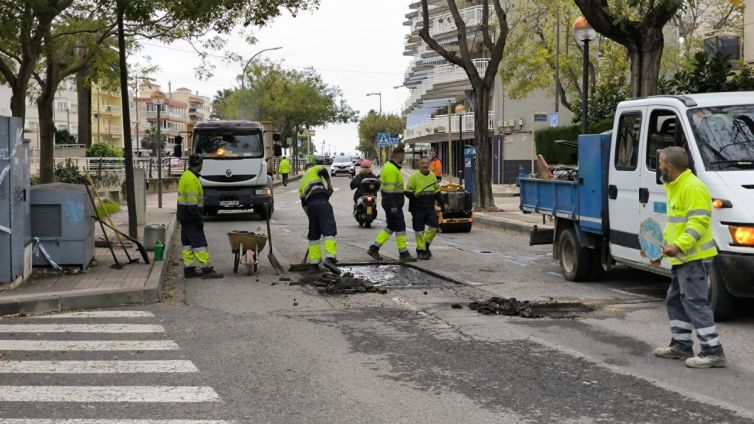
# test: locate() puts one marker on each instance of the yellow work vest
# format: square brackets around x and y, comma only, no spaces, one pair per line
[689,219]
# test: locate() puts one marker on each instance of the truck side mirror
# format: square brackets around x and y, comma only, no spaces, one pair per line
[177,151]
[658,174]
[276,137]
[277,150]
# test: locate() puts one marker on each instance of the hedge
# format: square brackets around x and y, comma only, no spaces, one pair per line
[557,154]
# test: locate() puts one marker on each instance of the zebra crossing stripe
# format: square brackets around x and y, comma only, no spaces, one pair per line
[87,345]
[81,328]
[96,367]
[98,314]
[120,394]
[101,421]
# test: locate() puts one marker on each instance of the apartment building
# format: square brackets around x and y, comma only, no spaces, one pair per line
[199,110]
[107,119]
[440,110]
[174,113]
[65,114]
[5,94]
[749,32]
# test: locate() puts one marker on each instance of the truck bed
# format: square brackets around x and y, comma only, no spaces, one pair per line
[583,201]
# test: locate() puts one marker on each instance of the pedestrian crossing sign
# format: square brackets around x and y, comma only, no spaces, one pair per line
[383,139]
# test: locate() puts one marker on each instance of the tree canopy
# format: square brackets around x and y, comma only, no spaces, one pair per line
[373,123]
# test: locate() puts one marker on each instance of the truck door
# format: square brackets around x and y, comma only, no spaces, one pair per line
[664,129]
[624,182]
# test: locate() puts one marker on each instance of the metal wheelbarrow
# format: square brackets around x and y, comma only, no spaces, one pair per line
[246,246]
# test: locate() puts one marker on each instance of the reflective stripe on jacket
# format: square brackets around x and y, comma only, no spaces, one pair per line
[435,167]
[312,184]
[689,219]
[284,167]
[427,186]
[391,180]
[190,198]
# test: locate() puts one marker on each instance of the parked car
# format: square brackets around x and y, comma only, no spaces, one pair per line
[343,165]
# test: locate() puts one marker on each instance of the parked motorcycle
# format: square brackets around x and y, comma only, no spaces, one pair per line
[365,210]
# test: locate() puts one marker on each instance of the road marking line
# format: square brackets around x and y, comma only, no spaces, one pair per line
[515,262]
[121,394]
[557,274]
[81,328]
[99,314]
[87,345]
[101,421]
[96,367]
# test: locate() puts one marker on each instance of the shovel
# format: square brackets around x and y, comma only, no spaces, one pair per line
[271,256]
[300,267]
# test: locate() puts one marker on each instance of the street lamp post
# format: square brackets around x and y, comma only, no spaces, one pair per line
[584,33]
[460,109]
[159,155]
[377,94]
[68,117]
[243,75]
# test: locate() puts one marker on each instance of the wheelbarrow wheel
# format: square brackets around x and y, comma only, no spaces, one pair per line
[236,261]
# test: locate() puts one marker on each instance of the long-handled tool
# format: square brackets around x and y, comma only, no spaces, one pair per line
[302,266]
[271,256]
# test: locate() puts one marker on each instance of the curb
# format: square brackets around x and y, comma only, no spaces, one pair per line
[510,225]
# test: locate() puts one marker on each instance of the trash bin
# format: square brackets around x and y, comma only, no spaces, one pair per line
[469,163]
[152,234]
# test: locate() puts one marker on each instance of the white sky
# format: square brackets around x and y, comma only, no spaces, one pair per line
[354,44]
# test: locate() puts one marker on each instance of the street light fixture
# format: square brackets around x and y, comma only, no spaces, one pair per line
[377,94]
[158,103]
[246,67]
[584,34]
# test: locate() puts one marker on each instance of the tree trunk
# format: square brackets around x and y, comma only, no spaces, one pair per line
[483,180]
[645,63]
[84,95]
[46,108]
[18,102]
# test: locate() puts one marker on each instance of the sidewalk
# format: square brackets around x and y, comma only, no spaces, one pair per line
[101,285]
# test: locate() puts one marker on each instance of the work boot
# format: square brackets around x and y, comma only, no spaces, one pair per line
[210,274]
[191,273]
[406,257]
[374,252]
[314,269]
[714,359]
[429,252]
[673,351]
[422,255]
[332,261]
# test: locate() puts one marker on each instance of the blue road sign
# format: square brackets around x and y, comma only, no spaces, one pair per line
[383,139]
[394,141]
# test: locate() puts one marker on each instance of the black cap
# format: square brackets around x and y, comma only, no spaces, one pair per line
[195,160]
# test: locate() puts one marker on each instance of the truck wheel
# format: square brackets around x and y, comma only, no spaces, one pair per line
[575,261]
[720,300]
[262,211]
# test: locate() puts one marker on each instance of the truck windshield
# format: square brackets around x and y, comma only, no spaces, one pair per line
[725,136]
[229,146]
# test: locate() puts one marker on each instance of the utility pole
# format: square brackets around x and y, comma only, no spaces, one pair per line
[377,94]
[128,148]
[159,156]
[557,62]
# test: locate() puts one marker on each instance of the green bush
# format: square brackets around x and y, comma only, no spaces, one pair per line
[555,153]
[103,150]
[68,172]
[107,206]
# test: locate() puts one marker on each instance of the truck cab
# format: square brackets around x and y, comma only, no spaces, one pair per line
[716,130]
[236,160]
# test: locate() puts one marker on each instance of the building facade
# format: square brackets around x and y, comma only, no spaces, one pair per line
[5,94]
[199,110]
[107,118]
[65,113]
[174,114]
[440,110]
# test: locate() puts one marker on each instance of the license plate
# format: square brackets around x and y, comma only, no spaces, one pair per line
[369,210]
[229,203]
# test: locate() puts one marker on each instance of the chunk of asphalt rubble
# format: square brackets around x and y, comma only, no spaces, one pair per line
[503,306]
[331,284]
[456,306]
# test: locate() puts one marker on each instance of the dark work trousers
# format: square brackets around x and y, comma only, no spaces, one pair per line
[395,220]
[321,219]
[689,308]
[422,217]
[285,180]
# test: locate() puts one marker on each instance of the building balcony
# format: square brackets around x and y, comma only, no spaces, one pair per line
[107,110]
[106,129]
[445,23]
[439,125]
[442,75]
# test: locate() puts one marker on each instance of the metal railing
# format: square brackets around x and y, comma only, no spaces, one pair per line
[445,23]
[171,166]
[440,75]
[439,125]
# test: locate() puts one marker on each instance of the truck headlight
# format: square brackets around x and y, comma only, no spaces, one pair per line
[742,236]
[263,192]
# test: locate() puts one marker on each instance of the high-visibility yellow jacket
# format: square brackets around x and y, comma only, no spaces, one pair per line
[312,184]
[391,184]
[284,167]
[427,187]
[689,219]
[190,198]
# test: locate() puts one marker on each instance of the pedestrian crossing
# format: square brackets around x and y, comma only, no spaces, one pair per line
[96,366]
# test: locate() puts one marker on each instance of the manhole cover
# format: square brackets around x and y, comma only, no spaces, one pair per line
[396,276]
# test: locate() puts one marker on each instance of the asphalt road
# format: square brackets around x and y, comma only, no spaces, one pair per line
[259,350]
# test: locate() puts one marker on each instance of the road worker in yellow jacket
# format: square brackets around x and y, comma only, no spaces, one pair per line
[315,189]
[189,214]
[690,248]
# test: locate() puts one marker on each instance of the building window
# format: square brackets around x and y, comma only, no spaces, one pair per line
[61,106]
